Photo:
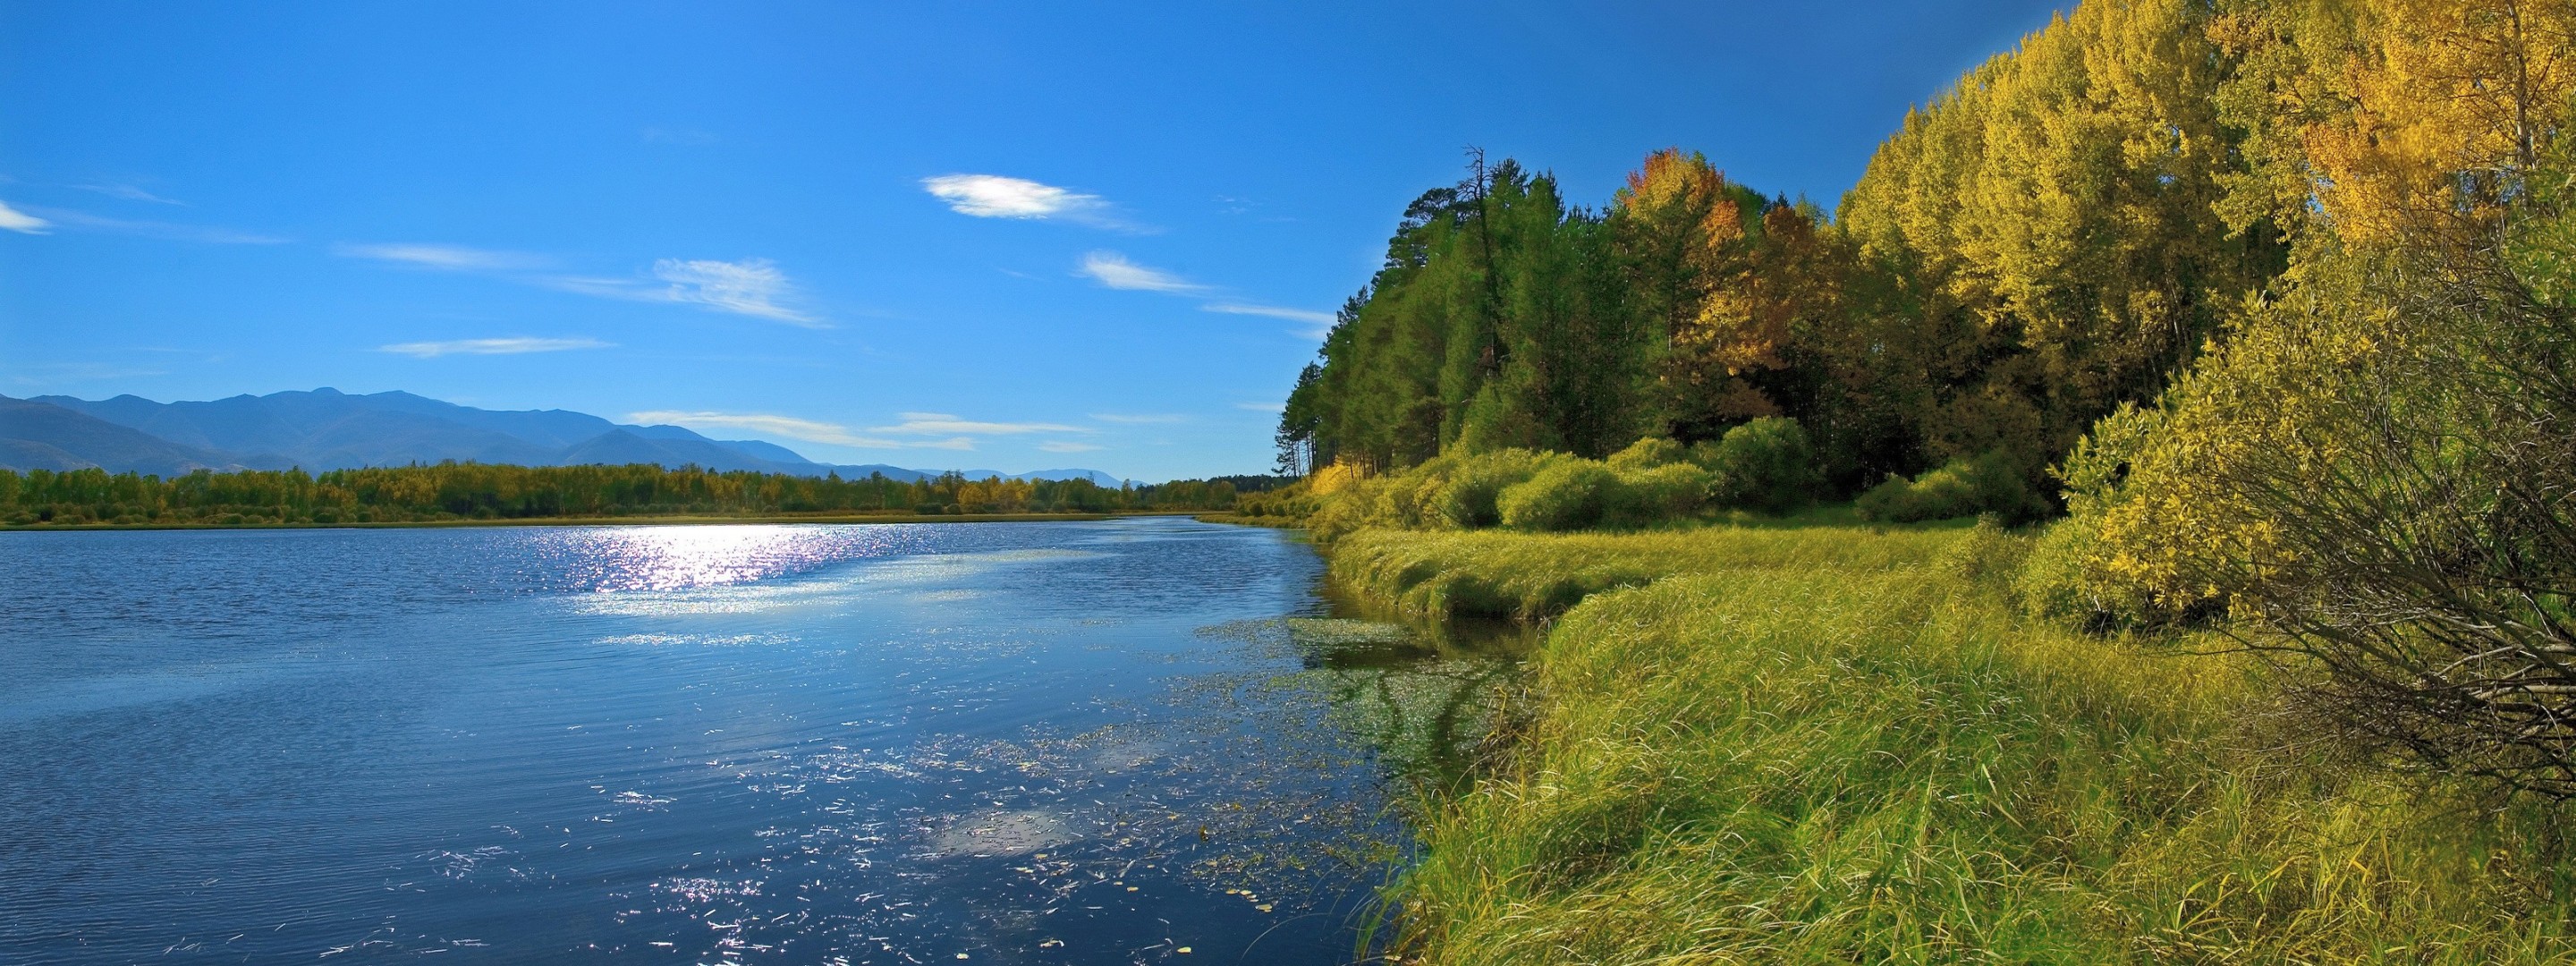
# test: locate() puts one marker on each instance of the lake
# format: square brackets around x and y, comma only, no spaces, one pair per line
[1135,740]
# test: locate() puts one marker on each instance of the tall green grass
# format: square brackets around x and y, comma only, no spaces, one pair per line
[1487,573]
[1836,745]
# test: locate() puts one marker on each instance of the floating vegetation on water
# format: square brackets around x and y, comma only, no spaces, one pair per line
[1003,833]
[1344,632]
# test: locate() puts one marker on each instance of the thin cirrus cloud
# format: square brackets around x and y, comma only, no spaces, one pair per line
[754,286]
[751,287]
[21,222]
[1060,446]
[792,428]
[1272,311]
[127,192]
[1140,418]
[931,424]
[1113,270]
[35,221]
[490,347]
[454,258]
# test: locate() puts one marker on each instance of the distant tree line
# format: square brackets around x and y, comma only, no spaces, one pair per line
[473,491]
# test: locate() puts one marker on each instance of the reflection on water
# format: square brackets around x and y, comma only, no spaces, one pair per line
[1065,742]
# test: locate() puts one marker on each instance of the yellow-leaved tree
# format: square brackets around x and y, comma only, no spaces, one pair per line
[2374,476]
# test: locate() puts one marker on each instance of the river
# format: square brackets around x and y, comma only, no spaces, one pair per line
[1135,740]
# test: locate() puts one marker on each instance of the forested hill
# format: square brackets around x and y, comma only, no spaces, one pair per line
[2058,234]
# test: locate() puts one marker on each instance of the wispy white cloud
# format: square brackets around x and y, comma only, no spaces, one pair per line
[929,424]
[1140,418]
[788,426]
[149,229]
[18,221]
[1115,271]
[1262,407]
[455,258]
[753,286]
[1060,446]
[129,192]
[1272,311]
[995,196]
[749,287]
[490,347]
[793,428]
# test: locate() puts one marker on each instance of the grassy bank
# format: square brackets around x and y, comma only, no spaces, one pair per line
[1493,573]
[1828,744]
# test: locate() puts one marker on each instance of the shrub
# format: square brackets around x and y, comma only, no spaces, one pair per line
[1336,477]
[1648,453]
[1988,557]
[1412,499]
[1936,495]
[1992,483]
[1567,495]
[2064,581]
[1468,500]
[1766,464]
[1347,509]
[1674,491]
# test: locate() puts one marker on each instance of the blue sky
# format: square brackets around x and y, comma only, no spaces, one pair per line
[996,235]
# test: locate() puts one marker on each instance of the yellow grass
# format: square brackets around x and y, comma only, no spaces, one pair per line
[1827,744]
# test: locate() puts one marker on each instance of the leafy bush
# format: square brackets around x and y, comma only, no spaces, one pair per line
[1674,491]
[2064,581]
[1648,453]
[1936,495]
[1350,506]
[1986,558]
[1766,464]
[1992,483]
[1411,499]
[1567,495]
[1468,499]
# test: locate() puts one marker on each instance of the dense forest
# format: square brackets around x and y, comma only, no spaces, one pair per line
[469,491]
[2271,302]
[2061,233]
[2246,329]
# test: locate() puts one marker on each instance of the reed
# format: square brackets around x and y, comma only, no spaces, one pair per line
[1829,744]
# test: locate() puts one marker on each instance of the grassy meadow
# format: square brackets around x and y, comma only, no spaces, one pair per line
[1836,743]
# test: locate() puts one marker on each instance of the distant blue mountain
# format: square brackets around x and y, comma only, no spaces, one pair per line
[36,435]
[1094,476]
[327,429]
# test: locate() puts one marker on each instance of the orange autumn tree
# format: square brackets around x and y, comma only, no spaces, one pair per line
[2396,117]
[1691,240]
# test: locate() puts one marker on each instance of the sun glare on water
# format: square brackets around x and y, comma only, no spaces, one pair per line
[678,558]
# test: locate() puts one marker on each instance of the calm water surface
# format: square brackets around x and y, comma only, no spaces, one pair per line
[1046,743]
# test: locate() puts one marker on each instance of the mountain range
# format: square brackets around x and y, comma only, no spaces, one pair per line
[327,429]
